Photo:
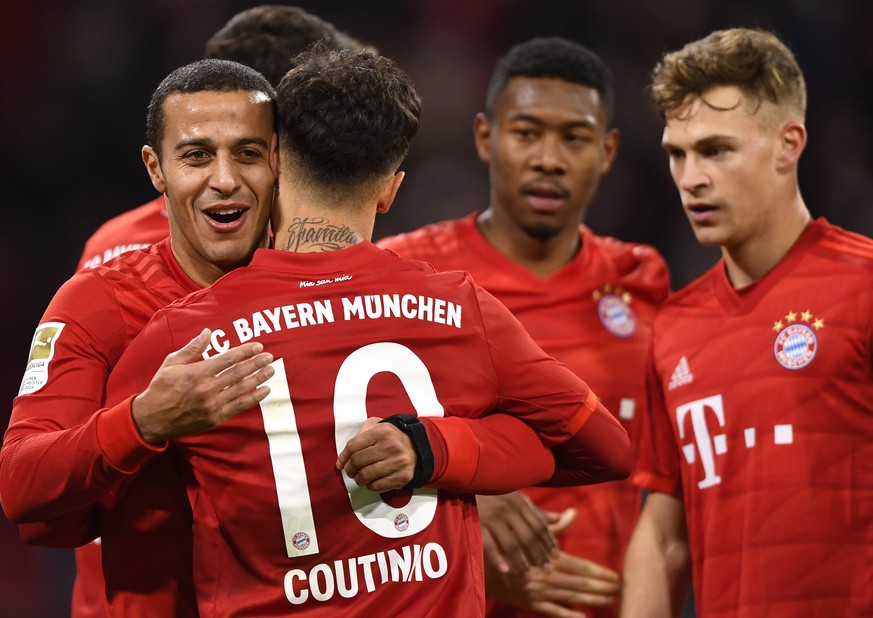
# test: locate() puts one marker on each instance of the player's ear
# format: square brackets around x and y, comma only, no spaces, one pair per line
[153,166]
[611,142]
[792,141]
[274,155]
[482,136]
[389,192]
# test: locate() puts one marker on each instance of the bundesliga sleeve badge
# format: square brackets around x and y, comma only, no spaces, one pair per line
[796,342]
[42,349]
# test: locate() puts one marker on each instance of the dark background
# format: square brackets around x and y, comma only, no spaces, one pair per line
[76,78]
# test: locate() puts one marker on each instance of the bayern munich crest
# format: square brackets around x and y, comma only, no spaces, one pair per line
[614,311]
[401,522]
[796,344]
[300,540]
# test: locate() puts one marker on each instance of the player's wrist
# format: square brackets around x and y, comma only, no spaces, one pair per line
[424,458]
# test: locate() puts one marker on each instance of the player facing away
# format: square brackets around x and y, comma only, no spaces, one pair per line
[588,300]
[759,447]
[265,38]
[279,526]
[64,459]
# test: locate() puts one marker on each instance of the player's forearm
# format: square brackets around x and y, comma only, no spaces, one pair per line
[656,577]
[45,474]
[495,454]
[71,530]
[600,451]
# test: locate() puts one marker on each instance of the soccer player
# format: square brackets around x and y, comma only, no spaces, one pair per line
[211,153]
[355,330]
[759,444]
[588,300]
[265,38]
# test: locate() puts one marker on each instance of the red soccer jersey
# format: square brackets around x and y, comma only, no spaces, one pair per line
[135,229]
[57,454]
[595,316]
[762,423]
[278,530]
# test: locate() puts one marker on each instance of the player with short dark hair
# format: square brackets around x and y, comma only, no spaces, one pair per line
[280,525]
[266,38]
[588,300]
[215,165]
[757,450]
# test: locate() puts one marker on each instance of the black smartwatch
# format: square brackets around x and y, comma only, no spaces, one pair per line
[414,428]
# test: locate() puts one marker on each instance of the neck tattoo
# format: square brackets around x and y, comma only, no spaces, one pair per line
[320,234]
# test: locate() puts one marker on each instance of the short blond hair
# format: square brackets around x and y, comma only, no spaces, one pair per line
[755,61]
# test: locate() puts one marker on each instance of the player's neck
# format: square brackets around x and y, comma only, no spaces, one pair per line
[749,260]
[305,223]
[541,256]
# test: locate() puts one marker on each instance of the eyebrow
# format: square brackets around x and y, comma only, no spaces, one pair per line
[204,142]
[586,122]
[701,143]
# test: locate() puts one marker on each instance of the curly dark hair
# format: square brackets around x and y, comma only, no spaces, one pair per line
[268,37]
[346,117]
[554,57]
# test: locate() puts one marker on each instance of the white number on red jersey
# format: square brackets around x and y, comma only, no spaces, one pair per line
[350,411]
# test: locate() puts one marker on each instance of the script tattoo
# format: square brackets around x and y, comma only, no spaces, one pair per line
[319,233]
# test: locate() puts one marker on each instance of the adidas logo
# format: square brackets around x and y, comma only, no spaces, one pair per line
[681,375]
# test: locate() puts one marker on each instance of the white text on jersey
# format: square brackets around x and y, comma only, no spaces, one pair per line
[352,576]
[371,306]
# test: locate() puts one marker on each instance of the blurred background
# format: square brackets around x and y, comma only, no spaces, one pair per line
[76,78]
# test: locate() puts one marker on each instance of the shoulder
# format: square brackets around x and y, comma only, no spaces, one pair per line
[631,260]
[849,248]
[142,280]
[426,278]
[694,294]
[626,255]
[134,229]
[428,241]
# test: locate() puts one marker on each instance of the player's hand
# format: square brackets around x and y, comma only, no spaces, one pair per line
[572,581]
[516,534]
[379,457]
[189,395]
[558,591]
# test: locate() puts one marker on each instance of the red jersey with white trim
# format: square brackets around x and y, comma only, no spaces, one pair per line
[59,454]
[762,422]
[594,315]
[278,530]
[137,228]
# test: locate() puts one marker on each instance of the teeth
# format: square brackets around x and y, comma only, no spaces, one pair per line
[230,211]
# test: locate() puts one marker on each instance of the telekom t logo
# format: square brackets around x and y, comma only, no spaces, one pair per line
[707,445]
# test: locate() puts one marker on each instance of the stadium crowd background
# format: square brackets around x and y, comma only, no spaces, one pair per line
[76,79]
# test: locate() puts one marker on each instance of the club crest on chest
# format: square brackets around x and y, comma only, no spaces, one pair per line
[614,310]
[796,340]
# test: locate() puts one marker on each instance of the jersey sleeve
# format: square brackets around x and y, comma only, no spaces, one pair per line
[554,401]
[54,459]
[141,360]
[657,459]
[495,454]
[531,384]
